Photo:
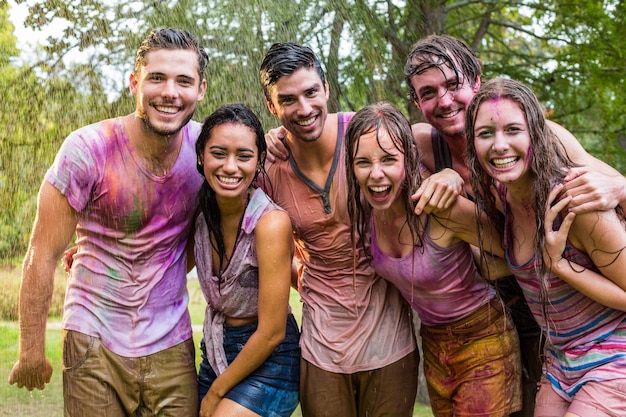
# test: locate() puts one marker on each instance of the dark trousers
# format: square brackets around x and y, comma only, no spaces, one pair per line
[530,338]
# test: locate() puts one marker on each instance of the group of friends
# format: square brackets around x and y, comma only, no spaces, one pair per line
[490,222]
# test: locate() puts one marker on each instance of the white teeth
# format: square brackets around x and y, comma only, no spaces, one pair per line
[379,189]
[503,162]
[170,110]
[306,122]
[228,180]
[450,114]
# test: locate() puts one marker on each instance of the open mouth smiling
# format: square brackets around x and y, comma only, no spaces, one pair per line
[504,162]
[229,180]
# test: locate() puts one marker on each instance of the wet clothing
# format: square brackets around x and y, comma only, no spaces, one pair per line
[531,342]
[442,284]
[585,341]
[593,399]
[127,285]
[272,389]
[472,366]
[236,295]
[100,383]
[383,392]
[352,320]
[471,349]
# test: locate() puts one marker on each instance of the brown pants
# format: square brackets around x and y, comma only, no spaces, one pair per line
[386,392]
[97,382]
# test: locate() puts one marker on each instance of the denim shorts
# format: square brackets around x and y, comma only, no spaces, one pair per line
[272,389]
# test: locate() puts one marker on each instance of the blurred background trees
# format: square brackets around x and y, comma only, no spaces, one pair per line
[572,53]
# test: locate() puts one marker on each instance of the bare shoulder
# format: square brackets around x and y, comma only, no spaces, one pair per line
[332,121]
[422,135]
[567,139]
[273,224]
[273,236]
[421,131]
[597,225]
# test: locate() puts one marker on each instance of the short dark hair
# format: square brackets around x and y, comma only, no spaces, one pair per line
[171,38]
[437,50]
[283,59]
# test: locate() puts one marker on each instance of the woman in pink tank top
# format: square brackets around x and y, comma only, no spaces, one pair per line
[471,348]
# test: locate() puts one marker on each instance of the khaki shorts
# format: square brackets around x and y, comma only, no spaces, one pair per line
[97,382]
[388,391]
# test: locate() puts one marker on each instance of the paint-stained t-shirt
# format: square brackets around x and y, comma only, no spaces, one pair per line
[352,319]
[127,284]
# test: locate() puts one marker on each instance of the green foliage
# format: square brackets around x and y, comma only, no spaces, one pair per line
[563,49]
[570,52]
[8,49]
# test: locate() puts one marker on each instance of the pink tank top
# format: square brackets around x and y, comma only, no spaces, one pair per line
[442,284]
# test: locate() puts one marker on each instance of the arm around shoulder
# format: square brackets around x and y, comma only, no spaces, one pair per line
[595,185]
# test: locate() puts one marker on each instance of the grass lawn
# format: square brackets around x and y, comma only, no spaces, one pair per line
[49,402]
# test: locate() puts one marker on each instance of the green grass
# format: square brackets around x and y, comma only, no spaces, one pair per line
[20,402]
[49,402]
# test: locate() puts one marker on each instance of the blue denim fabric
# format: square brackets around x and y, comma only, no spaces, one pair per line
[272,389]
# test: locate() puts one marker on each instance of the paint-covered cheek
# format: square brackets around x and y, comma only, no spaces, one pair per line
[530,157]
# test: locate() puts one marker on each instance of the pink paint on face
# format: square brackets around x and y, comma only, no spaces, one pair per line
[443,98]
[502,141]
